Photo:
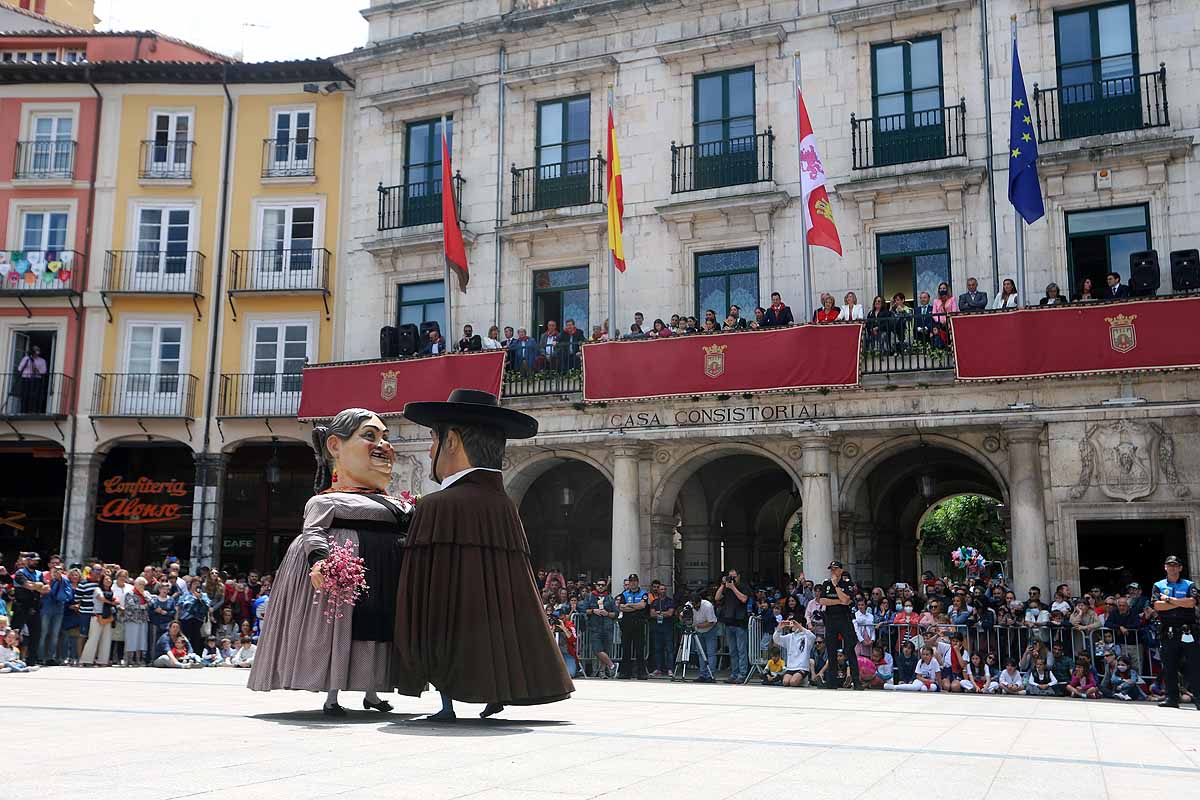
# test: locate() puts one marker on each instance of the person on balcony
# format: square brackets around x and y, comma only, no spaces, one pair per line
[1116,289]
[492,340]
[879,320]
[851,308]
[548,347]
[570,345]
[660,330]
[828,312]
[778,314]
[31,389]
[1053,296]
[1007,298]
[435,346]
[735,312]
[901,320]
[760,319]
[635,332]
[1088,292]
[470,341]
[972,299]
[522,351]
[943,305]
[923,319]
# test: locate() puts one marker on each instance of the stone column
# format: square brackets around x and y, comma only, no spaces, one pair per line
[662,562]
[206,510]
[1030,558]
[79,515]
[817,498]
[626,538]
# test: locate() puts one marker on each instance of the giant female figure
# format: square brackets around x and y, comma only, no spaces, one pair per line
[300,648]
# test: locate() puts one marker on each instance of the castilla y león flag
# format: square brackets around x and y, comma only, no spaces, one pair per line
[452,240]
[818,213]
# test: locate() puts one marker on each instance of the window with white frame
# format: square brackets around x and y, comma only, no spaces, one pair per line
[49,151]
[164,238]
[152,383]
[287,254]
[290,152]
[43,231]
[170,148]
[280,351]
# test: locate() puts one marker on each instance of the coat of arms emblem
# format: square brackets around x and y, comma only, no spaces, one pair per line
[387,385]
[1121,334]
[714,360]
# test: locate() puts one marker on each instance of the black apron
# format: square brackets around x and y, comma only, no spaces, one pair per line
[381,547]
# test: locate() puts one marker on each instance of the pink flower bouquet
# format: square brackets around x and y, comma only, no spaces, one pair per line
[344,580]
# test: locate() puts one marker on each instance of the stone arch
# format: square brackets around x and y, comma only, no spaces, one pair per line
[688,464]
[232,444]
[106,445]
[519,479]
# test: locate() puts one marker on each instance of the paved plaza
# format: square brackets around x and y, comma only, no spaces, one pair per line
[201,734]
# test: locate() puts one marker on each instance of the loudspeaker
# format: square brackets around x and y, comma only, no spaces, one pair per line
[426,327]
[1185,270]
[389,342]
[1143,273]
[408,343]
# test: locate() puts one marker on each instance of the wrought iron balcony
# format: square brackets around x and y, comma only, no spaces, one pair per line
[45,160]
[167,161]
[144,394]
[574,183]
[907,138]
[294,270]
[45,397]
[416,203]
[259,395]
[153,272]
[904,344]
[1106,106]
[730,162]
[289,158]
[41,272]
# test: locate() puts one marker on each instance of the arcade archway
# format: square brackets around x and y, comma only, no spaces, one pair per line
[266,487]
[567,513]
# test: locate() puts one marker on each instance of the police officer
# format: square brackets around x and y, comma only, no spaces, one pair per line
[1175,601]
[834,595]
[632,604]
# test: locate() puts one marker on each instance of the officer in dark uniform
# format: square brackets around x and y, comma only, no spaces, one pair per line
[632,604]
[835,595]
[1175,600]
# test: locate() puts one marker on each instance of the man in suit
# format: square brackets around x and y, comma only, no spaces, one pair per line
[570,344]
[778,314]
[548,345]
[1116,289]
[923,318]
[434,346]
[973,299]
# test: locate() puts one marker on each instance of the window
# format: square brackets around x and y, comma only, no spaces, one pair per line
[1098,87]
[170,145]
[153,362]
[912,262]
[560,295]
[286,245]
[1099,242]
[723,127]
[421,303]
[907,101]
[727,278]
[43,230]
[563,152]
[49,152]
[280,353]
[163,243]
[291,149]
[423,171]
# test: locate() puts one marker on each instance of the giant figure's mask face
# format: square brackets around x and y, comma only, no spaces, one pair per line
[364,460]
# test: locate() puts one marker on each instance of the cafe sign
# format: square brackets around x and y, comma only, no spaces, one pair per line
[143,501]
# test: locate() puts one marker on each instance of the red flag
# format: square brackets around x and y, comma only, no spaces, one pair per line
[818,213]
[452,240]
[616,198]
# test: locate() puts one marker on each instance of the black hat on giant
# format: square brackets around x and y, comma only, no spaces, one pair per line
[472,407]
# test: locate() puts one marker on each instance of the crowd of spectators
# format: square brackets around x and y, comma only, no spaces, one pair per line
[99,615]
[973,636]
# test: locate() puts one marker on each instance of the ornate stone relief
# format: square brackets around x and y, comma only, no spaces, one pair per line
[408,475]
[1124,459]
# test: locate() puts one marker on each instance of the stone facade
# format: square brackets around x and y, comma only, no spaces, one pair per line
[1048,449]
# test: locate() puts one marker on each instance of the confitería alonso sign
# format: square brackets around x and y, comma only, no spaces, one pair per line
[722,415]
[142,501]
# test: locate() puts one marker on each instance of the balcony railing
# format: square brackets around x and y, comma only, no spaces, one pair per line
[45,397]
[907,138]
[45,159]
[730,162]
[289,158]
[905,344]
[574,183]
[153,271]
[259,395]
[280,270]
[46,272]
[144,394]
[166,161]
[534,370]
[416,203]
[1106,106]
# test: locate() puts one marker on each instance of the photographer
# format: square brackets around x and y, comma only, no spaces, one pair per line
[564,635]
[704,621]
[662,618]
[601,610]
[797,642]
[632,605]
[731,599]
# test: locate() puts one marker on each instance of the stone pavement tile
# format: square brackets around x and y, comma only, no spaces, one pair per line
[910,777]
[1128,782]
[1022,777]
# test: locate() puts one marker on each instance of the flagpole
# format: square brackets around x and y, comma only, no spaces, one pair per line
[614,329]
[1020,222]
[449,333]
[805,256]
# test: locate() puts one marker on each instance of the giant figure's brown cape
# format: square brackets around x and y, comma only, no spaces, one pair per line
[468,617]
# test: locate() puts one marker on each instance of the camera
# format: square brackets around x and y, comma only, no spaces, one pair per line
[687,617]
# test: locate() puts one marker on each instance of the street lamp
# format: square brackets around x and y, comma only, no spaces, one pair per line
[273,472]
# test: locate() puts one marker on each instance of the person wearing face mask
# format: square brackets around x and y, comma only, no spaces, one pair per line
[944,304]
[300,648]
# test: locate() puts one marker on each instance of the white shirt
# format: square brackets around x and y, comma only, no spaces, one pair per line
[490,344]
[931,671]
[446,484]
[797,647]
[1011,678]
[704,615]
[851,312]
[1012,301]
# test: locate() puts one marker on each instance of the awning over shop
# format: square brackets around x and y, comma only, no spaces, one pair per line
[802,357]
[385,386]
[1077,339]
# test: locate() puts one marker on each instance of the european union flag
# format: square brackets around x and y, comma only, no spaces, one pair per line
[1024,191]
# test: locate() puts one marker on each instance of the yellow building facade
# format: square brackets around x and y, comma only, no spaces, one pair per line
[212,265]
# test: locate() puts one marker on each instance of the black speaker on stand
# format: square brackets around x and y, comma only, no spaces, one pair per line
[389,342]
[1144,274]
[408,340]
[1185,270]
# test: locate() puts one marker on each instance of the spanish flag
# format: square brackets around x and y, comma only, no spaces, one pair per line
[616,198]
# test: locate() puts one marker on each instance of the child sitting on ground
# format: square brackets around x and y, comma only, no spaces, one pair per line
[10,653]
[244,657]
[1009,681]
[211,656]
[976,675]
[226,649]
[883,667]
[1041,680]
[1083,682]
[773,676]
[926,674]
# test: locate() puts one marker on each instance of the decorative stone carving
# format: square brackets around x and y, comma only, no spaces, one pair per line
[1166,460]
[1124,458]
[1087,458]
[851,449]
[662,456]
[795,452]
[408,475]
[991,443]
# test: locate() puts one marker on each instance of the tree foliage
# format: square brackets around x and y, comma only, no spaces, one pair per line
[969,520]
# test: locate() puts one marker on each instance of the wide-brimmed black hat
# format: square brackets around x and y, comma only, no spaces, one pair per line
[472,407]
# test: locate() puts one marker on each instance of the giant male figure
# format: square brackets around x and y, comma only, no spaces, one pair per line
[468,617]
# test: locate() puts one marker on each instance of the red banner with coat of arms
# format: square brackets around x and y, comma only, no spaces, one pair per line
[1077,339]
[385,386]
[800,357]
